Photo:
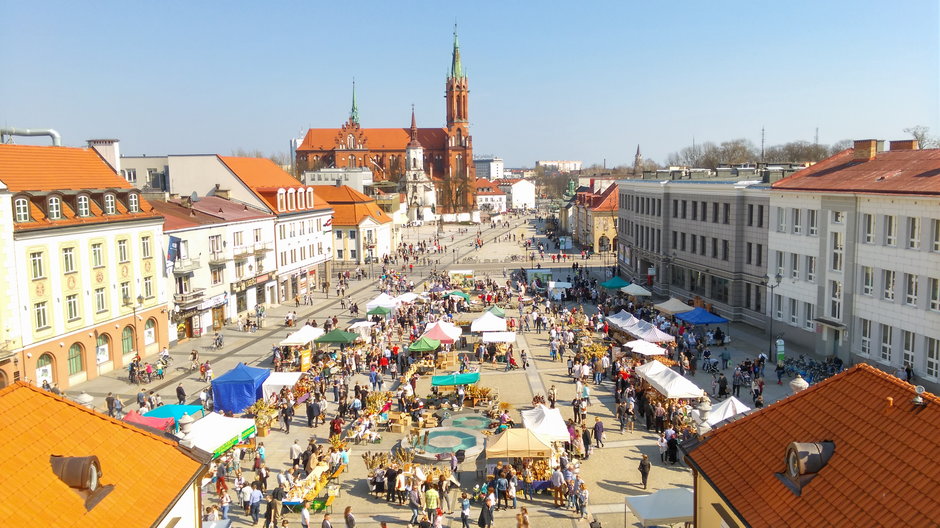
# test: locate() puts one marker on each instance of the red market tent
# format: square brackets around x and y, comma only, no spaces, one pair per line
[163,424]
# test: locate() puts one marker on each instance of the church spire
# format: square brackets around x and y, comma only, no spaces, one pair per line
[456,68]
[354,111]
[637,161]
[414,131]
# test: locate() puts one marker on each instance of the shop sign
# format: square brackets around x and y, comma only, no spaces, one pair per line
[243,285]
[213,301]
[101,353]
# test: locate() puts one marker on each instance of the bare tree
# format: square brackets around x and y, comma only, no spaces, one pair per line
[920,133]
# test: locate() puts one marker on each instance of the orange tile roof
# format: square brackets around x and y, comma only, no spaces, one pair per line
[350,207]
[891,172]
[376,138]
[38,171]
[264,178]
[147,471]
[883,471]
[607,200]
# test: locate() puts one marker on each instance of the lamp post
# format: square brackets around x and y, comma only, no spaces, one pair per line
[770,304]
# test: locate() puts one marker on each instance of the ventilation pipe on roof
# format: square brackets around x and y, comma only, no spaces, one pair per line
[56,138]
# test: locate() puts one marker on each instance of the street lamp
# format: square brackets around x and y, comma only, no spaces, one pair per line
[770,304]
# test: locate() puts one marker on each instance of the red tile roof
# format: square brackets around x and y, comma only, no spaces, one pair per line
[177,216]
[350,207]
[264,178]
[607,200]
[377,138]
[147,471]
[883,471]
[914,172]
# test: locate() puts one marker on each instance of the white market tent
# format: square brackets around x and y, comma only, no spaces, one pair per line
[450,329]
[557,288]
[636,290]
[409,297]
[363,328]
[215,433]
[650,369]
[277,380]
[672,306]
[384,301]
[499,337]
[622,319]
[666,506]
[517,443]
[671,384]
[726,409]
[303,336]
[652,334]
[488,322]
[646,348]
[546,423]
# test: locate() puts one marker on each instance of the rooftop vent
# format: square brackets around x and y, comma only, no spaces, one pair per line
[83,475]
[803,462]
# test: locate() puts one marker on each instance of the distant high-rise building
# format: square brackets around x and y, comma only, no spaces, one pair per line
[560,165]
[489,167]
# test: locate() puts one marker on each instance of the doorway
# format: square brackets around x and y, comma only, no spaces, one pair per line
[218,318]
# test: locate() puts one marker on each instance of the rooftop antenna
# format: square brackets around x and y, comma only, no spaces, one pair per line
[762,144]
[816,138]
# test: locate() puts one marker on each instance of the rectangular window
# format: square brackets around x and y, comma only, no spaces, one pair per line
[694,244]
[794,266]
[750,214]
[339,254]
[934,285]
[747,257]
[282,231]
[71,307]
[797,221]
[810,268]
[675,240]
[780,259]
[913,233]
[145,247]
[868,280]
[835,300]
[682,241]
[694,210]
[837,248]
[283,258]
[257,235]
[40,316]
[68,260]
[352,234]
[239,270]
[675,208]
[888,283]
[910,289]
[935,228]
[932,364]
[760,255]
[865,328]
[126,293]
[781,219]
[684,203]
[101,303]
[907,348]
[812,221]
[891,230]
[838,217]
[726,214]
[747,295]
[97,258]
[352,254]
[725,250]
[701,245]
[293,255]
[778,306]
[215,243]
[810,310]
[887,337]
[794,312]
[715,212]
[339,234]
[217,275]
[237,239]
[714,248]
[868,228]
[36,265]
[122,251]
[148,287]
[760,216]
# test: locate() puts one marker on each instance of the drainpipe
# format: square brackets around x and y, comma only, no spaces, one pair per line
[56,138]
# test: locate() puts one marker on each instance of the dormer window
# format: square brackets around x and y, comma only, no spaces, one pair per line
[310,198]
[109,207]
[300,200]
[133,203]
[21,210]
[280,200]
[290,200]
[84,208]
[54,208]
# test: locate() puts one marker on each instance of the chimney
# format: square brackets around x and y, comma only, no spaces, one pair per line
[904,144]
[339,183]
[223,193]
[109,149]
[865,149]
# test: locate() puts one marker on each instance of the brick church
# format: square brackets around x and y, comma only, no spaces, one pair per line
[447,152]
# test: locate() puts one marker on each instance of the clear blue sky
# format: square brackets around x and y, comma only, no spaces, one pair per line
[548,80]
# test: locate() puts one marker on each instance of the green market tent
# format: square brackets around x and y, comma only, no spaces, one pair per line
[497,311]
[425,344]
[615,283]
[455,379]
[379,310]
[338,337]
[458,293]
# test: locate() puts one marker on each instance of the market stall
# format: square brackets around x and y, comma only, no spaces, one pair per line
[384,300]
[424,344]
[539,278]
[461,278]
[499,337]
[615,283]
[700,316]
[161,424]
[337,337]
[176,411]
[556,289]
[546,423]
[278,380]
[672,306]
[363,328]
[407,298]
[728,408]
[497,311]
[379,310]
[666,506]
[445,380]
[444,332]
[238,388]
[517,443]
[636,290]
[460,294]
[301,343]
[488,322]
[216,434]
[645,348]
[673,385]
[622,319]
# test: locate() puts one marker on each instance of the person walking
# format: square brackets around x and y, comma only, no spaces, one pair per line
[644,469]
[414,502]
[598,432]
[464,511]
[486,515]
[349,518]
[326,521]
[181,394]
[432,500]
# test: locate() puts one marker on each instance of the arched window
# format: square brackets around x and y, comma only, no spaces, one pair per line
[459,137]
[21,210]
[310,199]
[54,209]
[44,370]
[352,161]
[300,199]
[103,352]
[290,200]
[350,142]
[133,203]
[150,331]
[280,200]
[76,364]
[109,207]
[83,206]
[127,340]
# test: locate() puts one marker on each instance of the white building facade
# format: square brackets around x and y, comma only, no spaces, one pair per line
[489,167]
[520,194]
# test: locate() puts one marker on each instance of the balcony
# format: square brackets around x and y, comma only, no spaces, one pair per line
[185,266]
[218,258]
[192,296]
[263,247]
[243,252]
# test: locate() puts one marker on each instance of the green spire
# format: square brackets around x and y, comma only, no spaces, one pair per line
[456,69]
[354,111]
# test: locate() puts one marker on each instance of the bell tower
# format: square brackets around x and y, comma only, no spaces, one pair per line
[458,191]
[457,89]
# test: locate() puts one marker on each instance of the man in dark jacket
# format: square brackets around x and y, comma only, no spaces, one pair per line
[181,394]
[586,438]
[313,410]
[598,432]
[486,515]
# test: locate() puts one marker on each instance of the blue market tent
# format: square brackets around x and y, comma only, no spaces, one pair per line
[701,316]
[238,388]
[455,379]
[176,411]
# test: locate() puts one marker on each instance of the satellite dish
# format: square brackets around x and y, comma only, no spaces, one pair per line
[194,197]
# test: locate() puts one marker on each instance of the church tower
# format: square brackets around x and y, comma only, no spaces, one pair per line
[419,191]
[458,190]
